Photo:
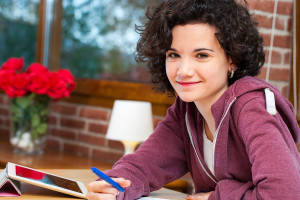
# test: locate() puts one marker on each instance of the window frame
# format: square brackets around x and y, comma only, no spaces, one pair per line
[291,89]
[90,91]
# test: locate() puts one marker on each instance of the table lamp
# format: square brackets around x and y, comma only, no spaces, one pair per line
[131,123]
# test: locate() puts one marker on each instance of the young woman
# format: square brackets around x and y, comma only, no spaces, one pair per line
[234,133]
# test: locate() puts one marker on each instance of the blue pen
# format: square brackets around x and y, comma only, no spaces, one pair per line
[107,179]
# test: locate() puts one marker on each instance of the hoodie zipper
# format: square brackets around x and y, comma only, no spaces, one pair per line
[218,129]
[191,139]
[214,141]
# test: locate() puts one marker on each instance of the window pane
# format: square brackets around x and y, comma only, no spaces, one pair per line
[18,28]
[99,39]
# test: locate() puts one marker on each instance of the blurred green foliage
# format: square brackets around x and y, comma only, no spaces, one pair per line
[18,24]
[98,36]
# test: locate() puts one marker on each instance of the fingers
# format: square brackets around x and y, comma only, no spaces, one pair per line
[101,190]
[199,196]
[101,187]
[100,196]
[122,182]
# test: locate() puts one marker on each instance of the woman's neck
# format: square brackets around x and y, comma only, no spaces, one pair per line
[209,121]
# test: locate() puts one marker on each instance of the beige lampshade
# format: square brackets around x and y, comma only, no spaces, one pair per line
[130,121]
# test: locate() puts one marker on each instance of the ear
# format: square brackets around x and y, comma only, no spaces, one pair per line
[231,66]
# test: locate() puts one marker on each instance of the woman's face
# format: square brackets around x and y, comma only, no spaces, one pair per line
[196,64]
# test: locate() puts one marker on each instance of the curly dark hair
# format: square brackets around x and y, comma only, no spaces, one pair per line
[236,32]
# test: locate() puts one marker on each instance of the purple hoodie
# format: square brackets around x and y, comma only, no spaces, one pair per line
[255,156]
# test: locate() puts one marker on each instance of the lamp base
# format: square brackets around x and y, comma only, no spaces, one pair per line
[129,146]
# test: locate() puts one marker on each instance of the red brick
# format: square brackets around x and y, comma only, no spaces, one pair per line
[288,58]
[267,39]
[266,22]
[91,139]
[282,41]
[115,145]
[53,120]
[77,149]
[5,122]
[62,133]
[284,91]
[72,123]
[284,8]
[266,6]
[279,74]
[2,99]
[275,74]
[5,100]
[97,128]
[278,41]
[64,109]
[289,24]
[4,111]
[93,113]
[106,155]
[53,143]
[276,57]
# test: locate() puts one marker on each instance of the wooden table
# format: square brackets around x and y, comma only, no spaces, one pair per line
[86,176]
[53,159]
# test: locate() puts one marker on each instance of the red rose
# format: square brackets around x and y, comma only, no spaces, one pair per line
[37,68]
[19,84]
[38,79]
[15,64]
[14,85]
[58,87]
[68,78]
[5,77]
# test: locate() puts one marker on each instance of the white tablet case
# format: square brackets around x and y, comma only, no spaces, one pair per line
[9,187]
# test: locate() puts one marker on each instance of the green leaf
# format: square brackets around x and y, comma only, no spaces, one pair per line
[44,112]
[23,102]
[34,134]
[42,128]
[35,120]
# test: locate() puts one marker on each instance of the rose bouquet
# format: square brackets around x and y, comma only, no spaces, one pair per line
[31,91]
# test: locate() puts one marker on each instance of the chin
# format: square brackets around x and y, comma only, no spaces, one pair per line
[186,99]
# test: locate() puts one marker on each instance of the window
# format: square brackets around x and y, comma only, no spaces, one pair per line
[96,41]
[18,29]
[99,38]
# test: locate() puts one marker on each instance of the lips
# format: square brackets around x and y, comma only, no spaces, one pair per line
[187,84]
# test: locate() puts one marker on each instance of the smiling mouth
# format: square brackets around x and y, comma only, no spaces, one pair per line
[186,84]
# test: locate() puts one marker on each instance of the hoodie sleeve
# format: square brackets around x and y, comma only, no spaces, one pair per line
[161,159]
[273,156]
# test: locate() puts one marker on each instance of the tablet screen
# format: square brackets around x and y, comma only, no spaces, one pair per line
[47,178]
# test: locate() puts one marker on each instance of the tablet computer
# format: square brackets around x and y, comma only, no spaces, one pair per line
[46,180]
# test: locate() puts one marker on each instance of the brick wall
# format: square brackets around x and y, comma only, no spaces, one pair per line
[282,43]
[81,129]
[75,128]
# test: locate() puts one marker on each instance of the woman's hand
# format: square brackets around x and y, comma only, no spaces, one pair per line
[101,190]
[198,196]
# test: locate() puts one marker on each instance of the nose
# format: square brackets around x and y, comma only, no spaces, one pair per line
[185,68]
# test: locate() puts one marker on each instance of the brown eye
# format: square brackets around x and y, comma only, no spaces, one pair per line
[172,55]
[202,55]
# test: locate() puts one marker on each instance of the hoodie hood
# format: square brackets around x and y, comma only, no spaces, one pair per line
[250,84]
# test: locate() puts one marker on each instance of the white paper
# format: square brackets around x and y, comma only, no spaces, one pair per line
[149,198]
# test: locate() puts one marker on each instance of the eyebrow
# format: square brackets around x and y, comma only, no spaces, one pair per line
[196,50]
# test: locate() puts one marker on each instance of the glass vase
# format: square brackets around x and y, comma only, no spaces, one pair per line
[29,123]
